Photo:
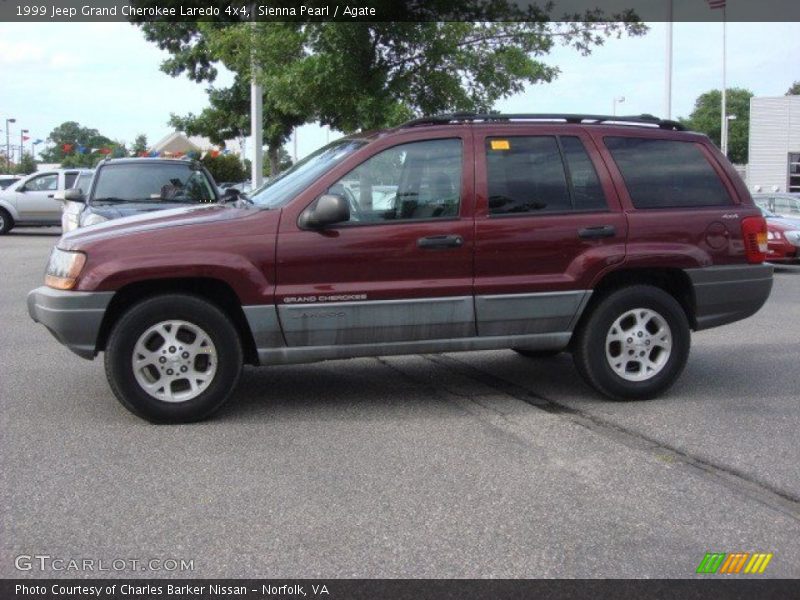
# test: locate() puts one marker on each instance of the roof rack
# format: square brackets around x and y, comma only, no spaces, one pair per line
[469,117]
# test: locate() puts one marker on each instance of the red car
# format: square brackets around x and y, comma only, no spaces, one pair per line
[607,237]
[783,238]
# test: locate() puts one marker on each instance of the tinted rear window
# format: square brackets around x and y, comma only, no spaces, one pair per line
[666,173]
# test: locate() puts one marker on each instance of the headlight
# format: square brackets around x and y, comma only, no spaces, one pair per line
[92,219]
[63,269]
[793,237]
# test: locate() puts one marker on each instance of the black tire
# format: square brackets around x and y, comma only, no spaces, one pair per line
[195,311]
[6,222]
[589,349]
[537,353]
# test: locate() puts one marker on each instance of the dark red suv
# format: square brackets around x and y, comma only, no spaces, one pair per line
[607,237]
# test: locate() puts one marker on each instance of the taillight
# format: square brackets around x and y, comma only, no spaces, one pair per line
[754,234]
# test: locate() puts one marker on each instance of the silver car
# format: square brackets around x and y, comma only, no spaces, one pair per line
[783,204]
[32,201]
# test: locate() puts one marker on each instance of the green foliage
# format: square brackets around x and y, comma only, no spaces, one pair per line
[139,144]
[74,135]
[26,166]
[794,90]
[284,162]
[366,75]
[706,118]
[355,76]
[225,167]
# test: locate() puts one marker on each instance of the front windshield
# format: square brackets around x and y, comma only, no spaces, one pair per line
[152,182]
[287,185]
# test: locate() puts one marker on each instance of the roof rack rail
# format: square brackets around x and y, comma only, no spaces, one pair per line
[463,117]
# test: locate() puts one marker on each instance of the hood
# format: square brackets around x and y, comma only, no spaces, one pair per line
[129,209]
[152,220]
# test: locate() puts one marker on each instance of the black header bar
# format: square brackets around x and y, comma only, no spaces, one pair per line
[44,11]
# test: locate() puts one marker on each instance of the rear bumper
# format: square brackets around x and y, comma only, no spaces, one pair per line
[74,318]
[729,293]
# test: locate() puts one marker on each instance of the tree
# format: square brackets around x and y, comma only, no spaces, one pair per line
[225,167]
[365,75]
[77,146]
[228,114]
[284,162]
[139,144]
[26,165]
[706,118]
[228,117]
[794,90]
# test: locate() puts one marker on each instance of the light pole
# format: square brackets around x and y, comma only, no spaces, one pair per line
[8,143]
[726,121]
[22,133]
[617,100]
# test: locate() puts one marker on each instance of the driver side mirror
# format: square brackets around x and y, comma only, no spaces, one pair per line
[230,195]
[71,195]
[328,209]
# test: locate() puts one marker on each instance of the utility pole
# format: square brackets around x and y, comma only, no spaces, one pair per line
[668,67]
[256,115]
[724,115]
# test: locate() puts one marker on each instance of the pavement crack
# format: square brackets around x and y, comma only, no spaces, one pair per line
[734,479]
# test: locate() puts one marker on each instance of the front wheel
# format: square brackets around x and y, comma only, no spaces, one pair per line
[634,344]
[6,221]
[173,359]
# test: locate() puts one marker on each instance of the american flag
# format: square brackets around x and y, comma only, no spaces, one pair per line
[714,4]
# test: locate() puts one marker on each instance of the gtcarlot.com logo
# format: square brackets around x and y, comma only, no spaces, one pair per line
[45,562]
[733,563]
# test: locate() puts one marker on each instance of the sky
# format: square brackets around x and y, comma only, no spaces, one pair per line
[106,76]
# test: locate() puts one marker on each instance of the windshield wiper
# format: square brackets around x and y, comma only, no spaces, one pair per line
[113,199]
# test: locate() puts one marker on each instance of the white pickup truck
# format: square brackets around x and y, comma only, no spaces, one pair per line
[32,201]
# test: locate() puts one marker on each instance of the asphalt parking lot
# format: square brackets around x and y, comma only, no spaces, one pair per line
[463,465]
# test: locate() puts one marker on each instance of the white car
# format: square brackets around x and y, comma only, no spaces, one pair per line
[782,204]
[32,201]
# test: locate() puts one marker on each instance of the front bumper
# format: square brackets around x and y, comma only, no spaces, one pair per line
[729,293]
[74,318]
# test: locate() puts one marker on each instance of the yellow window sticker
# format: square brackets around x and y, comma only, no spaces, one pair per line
[501,145]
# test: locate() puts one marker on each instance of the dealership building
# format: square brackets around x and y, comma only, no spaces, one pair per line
[774,156]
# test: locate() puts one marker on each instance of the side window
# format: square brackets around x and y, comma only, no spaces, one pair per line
[666,173]
[587,193]
[419,180]
[526,174]
[43,183]
[69,180]
[84,182]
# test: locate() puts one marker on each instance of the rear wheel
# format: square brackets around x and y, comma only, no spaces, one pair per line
[6,221]
[173,359]
[634,344]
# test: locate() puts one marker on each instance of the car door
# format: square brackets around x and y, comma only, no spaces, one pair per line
[401,268]
[35,200]
[547,222]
